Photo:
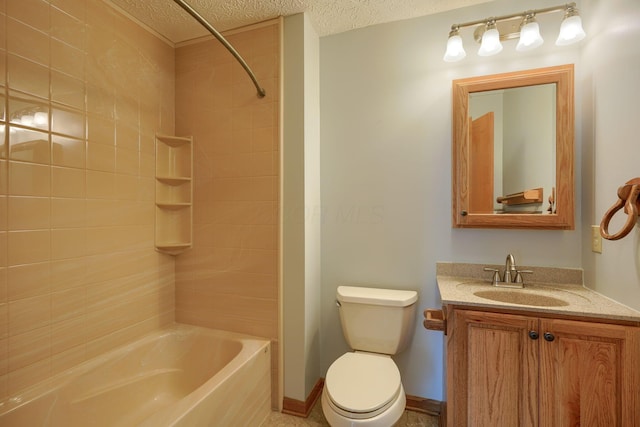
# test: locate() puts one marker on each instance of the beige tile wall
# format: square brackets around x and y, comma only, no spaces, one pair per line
[78,269]
[229,280]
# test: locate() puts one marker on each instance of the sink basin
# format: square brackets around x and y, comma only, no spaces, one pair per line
[521,298]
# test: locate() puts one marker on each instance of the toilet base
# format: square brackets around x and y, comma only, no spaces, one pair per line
[386,419]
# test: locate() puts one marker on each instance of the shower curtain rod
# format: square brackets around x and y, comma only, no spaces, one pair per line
[225,43]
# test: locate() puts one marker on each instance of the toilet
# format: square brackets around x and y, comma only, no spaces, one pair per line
[363,387]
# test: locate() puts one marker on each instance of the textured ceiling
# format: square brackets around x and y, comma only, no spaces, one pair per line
[327,16]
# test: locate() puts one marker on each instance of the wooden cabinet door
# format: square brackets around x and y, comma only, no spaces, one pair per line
[492,377]
[588,374]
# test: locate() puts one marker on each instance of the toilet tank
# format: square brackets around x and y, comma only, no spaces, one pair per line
[377,320]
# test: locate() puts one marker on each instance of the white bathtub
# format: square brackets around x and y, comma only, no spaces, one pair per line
[180,376]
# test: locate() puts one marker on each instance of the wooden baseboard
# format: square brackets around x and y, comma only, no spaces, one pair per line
[431,407]
[300,408]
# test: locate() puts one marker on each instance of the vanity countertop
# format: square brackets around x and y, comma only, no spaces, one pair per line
[561,293]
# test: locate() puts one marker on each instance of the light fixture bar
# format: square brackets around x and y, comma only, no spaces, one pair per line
[552,9]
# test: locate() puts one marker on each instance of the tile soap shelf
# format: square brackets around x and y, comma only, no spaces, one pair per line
[174,194]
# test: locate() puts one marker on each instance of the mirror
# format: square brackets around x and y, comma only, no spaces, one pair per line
[513,150]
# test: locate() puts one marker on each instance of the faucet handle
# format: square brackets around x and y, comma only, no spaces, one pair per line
[496,274]
[519,273]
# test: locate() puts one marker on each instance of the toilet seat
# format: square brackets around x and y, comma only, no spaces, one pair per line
[362,385]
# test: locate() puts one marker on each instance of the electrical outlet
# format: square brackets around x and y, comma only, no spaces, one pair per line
[596,239]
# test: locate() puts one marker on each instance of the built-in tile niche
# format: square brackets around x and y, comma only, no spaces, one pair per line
[174,194]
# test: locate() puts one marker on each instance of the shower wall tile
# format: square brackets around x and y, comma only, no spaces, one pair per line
[28,42]
[78,270]
[74,8]
[68,243]
[67,122]
[68,152]
[67,29]
[27,247]
[67,90]
[100,185]
[67,182]
[68,213]
[27,76]
[101,129]
[29,146]
[229,280]
[29,180]
[127,135]
[28,314]
[28,347]
[28,280]
[67,59]
[34,13]
[68,273]
[69,333]
[101,157]
[26,213]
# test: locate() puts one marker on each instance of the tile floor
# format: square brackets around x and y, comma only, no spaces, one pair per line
[316,419]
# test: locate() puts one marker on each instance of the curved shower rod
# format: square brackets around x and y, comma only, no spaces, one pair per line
[225,43]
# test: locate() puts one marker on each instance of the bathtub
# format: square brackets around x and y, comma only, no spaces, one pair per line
[179,376]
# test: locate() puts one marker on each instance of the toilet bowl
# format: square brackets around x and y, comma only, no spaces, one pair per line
[363,388]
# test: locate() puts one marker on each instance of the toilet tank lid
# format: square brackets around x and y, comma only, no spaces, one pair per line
[376,296]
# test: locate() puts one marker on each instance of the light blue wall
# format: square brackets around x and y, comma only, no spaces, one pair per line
[611,155]
[385,107]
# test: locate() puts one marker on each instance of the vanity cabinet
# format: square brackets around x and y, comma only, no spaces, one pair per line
[508,369]
[174,194]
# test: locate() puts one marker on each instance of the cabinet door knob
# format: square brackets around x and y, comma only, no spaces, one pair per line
[533,335]
[549,336]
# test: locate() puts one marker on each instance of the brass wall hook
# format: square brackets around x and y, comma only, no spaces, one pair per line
[629,198]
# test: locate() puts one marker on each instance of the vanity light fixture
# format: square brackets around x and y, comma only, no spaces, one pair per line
[490,32]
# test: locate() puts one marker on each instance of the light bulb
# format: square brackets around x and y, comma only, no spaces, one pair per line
[571,29]
[455,49]
[490,41]
[530,37]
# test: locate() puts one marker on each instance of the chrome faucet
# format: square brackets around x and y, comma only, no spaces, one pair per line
[510,271]
[511,278]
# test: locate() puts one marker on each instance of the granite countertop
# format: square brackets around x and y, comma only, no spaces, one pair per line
[554,291]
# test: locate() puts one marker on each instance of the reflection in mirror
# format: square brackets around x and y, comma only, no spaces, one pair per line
[513,150]
[522,121]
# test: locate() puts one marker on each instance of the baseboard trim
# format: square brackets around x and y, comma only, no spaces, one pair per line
[427,406]
[301,408]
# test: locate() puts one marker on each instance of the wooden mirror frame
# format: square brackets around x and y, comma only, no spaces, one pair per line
[563,219]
